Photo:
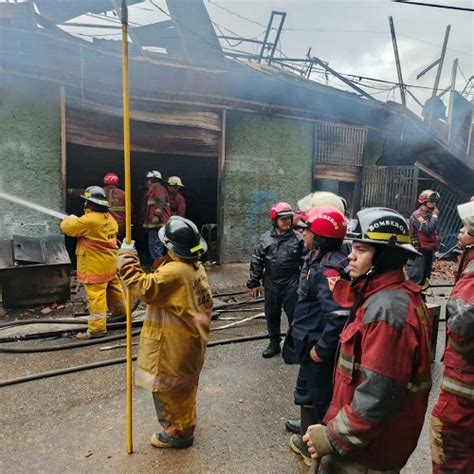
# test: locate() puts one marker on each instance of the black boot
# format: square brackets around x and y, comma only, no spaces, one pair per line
[293,425]
[297,444]
[273,348]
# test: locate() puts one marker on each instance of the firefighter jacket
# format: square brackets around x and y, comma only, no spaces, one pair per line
[276,259]
[177,202]
[96,247]
[318,319]
[155,210]
[174,337]
[458,377]
[423,229]
[116,198]
[383,375]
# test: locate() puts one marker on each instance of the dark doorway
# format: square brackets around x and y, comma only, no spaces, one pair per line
[87,166]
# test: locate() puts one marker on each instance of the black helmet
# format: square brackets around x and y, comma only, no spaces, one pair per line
[182,237]
[383,226]
[96,195]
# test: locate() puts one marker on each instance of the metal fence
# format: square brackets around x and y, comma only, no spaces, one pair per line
[390,186]
[339,144]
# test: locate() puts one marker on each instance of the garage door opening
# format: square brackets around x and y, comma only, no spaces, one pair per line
[86,166]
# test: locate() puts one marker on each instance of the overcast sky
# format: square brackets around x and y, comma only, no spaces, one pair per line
[353,35]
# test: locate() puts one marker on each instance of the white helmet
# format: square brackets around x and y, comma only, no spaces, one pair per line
[466,213]
[154,174]
[322,198]
[175,181]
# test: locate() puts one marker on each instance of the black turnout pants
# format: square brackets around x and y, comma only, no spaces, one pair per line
[277,298]
[419,268]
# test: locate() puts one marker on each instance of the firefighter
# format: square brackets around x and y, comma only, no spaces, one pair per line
[177,201]
[155,212]
[383,374]
[318,319]
[424,236]
[276,261]
[452,419]
[116,199]
[96,252]
[176,328]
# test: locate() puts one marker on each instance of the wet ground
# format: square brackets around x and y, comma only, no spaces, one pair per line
[76,422]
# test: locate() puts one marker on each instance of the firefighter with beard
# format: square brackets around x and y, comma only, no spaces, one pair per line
[276,261]
[175,331]
[452,419]
[318,319]
[383,374]
[96,252]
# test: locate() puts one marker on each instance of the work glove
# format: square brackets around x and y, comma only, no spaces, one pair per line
[72,216]
[127,247]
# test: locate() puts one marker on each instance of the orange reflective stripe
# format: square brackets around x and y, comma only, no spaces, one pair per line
[95,244]
[99,278]
[117,208]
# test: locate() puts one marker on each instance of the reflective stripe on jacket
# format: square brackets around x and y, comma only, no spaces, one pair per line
[383,374]
[175,332]
[155,210]
[424,234]
[458,377]
[96,247]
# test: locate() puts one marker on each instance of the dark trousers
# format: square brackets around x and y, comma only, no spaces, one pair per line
[277,298]
[419,268]
[314,387]
[155,247]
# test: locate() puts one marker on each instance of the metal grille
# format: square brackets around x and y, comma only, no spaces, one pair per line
[449,221]
[339,144]
[390,186]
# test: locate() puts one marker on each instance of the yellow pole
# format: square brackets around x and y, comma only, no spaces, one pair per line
[128,215]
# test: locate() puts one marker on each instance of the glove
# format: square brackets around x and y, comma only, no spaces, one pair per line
[73,216]
[128,247]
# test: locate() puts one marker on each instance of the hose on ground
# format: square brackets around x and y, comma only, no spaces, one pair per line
[105,363]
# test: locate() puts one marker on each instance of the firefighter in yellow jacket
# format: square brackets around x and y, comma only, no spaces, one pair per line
[176,328]
[96,252]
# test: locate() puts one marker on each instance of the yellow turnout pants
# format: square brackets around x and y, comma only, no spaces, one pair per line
[100,297]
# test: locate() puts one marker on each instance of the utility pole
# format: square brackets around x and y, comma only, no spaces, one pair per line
[397,61]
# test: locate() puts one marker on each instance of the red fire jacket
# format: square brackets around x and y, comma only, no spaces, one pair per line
[155,210]
[116,198]
[458,377]
[424,234]
[383,375]
[177,202]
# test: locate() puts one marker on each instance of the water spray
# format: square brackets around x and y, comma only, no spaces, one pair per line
[31,205]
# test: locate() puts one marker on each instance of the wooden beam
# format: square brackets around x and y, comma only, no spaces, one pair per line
[438,177]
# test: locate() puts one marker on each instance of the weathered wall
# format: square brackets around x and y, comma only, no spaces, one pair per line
[267,159]
[29,155]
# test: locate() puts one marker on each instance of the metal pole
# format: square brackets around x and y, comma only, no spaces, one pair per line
[267,33]
[441,60]
[451,99]
[397,61]
[277,37]
[128,217]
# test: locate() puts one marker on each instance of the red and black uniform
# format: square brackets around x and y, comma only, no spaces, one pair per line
[116,198]
[177,202]
[452,420]
[424,236]
[382,379]
[155,207]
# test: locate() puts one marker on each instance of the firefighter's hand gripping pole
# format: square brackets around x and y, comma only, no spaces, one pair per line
[128,215]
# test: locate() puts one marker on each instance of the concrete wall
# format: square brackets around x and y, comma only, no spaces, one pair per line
[29,156]
[268,159]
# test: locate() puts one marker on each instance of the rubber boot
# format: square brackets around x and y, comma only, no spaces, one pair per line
[293,425]
[273,348]
[297,444]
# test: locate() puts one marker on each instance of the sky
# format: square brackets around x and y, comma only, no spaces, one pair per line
[353,36]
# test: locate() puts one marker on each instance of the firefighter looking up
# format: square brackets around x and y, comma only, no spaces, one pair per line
[452,419]
[176,328]
[96,252]
[277,261]
[318,319]
[383,374]
[116,199]
[424,236]
[155,212]
[177,201]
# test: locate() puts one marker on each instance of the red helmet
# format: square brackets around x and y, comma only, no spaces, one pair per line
[326,221]
[281,209]
[111,179]
[428,195]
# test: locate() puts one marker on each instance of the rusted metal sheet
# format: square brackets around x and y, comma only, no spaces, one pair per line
[339,144]
[350,174]
[34,271]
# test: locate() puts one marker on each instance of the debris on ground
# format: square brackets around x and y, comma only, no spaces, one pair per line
[443,269]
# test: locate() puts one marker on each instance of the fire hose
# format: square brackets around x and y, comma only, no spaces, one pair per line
[120,360]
